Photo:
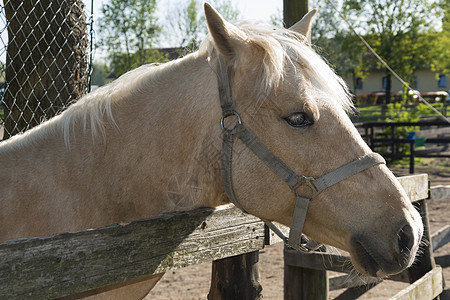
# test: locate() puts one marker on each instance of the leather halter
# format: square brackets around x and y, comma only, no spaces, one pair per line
[294,181]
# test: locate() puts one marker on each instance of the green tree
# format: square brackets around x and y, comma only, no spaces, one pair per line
[441,61]
[398,32]
[99,74]
[342,49]
[128,30]
[186,24]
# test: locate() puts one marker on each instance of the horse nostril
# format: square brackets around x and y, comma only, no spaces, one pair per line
[405,240]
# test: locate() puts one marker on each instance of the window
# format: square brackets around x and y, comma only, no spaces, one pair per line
[384,82]
[442,82]
[359,83]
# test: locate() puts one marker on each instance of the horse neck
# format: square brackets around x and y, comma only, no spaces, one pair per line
[160,154]
[177,123]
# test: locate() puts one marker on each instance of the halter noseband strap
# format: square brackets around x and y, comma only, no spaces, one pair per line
[294,181]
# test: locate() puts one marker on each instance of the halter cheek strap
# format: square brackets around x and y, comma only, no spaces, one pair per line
[294,181]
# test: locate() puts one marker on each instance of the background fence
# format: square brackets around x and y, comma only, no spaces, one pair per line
[45,59]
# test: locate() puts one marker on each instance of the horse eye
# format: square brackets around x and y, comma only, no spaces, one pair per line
[298,119]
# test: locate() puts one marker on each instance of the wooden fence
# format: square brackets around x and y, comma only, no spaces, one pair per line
[69,263]
[393,142]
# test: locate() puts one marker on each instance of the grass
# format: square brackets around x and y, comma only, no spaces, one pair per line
[421,162]
[404,162]
[372,113]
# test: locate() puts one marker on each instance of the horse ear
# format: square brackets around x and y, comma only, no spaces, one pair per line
[304,25]
[227,37]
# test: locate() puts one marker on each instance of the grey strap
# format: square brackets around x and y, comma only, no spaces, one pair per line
[345,171]
[227,163]
[261,151]
[298,220]
[223,84]
[247,137]
[289,176]
[266,156]
[301,206]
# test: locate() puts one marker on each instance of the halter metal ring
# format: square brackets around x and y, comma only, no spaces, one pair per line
[308,181]
[229,115]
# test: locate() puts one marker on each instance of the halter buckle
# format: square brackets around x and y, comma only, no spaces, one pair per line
[298,247]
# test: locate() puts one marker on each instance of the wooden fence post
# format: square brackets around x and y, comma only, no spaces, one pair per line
[304,284]
[425,262]
[236,277]
[412,147]
[294,10]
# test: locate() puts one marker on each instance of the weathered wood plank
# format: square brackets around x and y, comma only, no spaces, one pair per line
[318,261]
[73,262]
[305,284]
[441,237]
[354,292]
[443,260]
[428,286]
[426,262]
[271,237]
[416,186]
[348,281]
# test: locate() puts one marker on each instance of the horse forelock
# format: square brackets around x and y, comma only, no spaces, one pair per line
[280,48]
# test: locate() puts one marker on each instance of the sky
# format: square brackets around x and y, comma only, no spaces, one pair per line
[249,9]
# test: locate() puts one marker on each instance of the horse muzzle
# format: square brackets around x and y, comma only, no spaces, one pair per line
[377,259]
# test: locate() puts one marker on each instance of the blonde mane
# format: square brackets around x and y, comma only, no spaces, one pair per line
[96,108]
[281,45]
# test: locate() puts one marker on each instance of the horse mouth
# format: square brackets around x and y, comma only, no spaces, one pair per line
[383,258]
[368,261]
[367,264]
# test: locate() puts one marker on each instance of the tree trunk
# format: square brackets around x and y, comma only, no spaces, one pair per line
[388,87]
[45,62]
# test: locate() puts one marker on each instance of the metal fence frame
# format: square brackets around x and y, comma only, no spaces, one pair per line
[38,88]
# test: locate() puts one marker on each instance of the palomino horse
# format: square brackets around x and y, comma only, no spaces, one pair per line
[113,156]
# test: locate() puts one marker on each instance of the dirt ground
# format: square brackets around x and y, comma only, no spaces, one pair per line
[193,282]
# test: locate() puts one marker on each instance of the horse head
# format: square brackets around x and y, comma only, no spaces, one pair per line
[296,107]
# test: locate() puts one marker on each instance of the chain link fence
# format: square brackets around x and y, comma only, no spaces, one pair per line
[45,60]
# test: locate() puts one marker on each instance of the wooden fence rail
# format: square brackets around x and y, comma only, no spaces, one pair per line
[69,263]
